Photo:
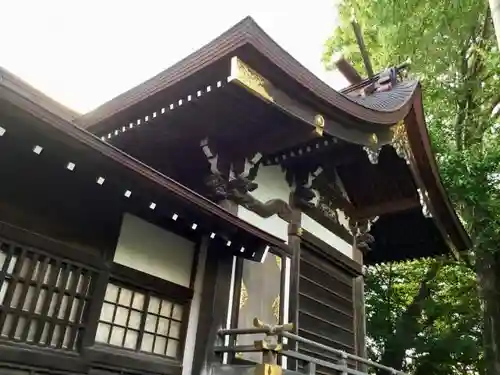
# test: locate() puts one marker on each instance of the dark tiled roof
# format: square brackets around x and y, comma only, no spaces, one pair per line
[245,33]
[388,101]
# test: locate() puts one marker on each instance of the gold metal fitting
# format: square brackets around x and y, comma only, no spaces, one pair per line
[319,122]
[268,369]
[264,345]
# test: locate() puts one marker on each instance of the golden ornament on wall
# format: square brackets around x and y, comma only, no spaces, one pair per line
[278,261]
[249,78]
[276,308]
[400,141]
[243,294]
[319,123]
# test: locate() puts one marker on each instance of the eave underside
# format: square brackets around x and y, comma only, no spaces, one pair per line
[28,125]
[243,123]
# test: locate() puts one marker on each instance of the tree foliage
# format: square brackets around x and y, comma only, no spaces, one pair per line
[452,49]
[446,335]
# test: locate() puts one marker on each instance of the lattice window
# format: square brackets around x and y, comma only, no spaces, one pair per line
[139,321]
[42,299]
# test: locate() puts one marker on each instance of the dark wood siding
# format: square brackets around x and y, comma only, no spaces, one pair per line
[326,309]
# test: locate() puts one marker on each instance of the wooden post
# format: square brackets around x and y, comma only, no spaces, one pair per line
[294,242]
[358,292]
[214,302]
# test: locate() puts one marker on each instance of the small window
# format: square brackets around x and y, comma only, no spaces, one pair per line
[140,321]
[42,299]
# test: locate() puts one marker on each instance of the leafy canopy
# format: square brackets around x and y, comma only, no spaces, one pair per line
[451,48]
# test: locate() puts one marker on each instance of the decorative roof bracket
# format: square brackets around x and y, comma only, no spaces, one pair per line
[360,230]
[373,150]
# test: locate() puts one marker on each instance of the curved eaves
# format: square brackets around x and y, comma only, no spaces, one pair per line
[399,98]
[282,59]
[444,215]
[246,32]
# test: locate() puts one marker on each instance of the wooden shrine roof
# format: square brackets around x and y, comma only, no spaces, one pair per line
[200,97]
[243,40]
[397,99]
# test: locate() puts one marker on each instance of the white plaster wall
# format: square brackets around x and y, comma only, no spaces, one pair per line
[155,251]
[326,235]
[343,219]
[272,185]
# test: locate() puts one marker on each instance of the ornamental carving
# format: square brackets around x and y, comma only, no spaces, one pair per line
[263,209]
[373,150]
[228,174]
[329,212]
[372,154]
[249,78]
[360,230]
[319,123]
[400,141]
[424,202]
[243,294]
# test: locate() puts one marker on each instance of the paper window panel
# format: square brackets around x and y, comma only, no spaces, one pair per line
[138,321]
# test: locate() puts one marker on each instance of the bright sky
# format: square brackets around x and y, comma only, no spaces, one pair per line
[84,52]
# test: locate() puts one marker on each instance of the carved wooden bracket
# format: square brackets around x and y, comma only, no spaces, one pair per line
[227,173]
[264,209]
[301,181]
[360,231]
[233,179]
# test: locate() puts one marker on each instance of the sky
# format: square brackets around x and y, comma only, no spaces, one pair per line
[85,52]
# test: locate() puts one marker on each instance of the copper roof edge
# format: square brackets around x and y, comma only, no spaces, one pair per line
[447,219]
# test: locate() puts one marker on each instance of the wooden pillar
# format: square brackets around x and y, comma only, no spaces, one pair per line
[358,292]
[214,302]
[213,311]
[294,242]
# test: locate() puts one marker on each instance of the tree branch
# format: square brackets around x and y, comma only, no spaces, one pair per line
[408,325]
[460,118]
[389,298]
[472,82]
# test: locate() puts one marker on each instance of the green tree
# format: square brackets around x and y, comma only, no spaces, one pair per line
[452,49]
[424,317]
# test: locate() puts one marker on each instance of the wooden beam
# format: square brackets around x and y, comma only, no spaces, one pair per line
[347,70]
[214,307]
[362,47]
[244,76]
[385,208]
[294,241]
[359,319]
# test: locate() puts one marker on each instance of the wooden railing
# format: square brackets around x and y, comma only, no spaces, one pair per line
[343,363]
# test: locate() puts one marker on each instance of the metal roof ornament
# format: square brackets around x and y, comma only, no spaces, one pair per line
[242,74]
[373,150]
[319,122]
[400,141]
